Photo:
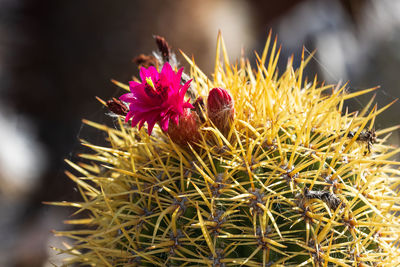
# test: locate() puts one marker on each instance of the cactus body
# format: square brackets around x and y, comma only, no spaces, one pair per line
[295,180]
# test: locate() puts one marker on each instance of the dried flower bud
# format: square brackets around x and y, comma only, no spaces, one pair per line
[220,109]
[145,61]
[116,106]
[163,47]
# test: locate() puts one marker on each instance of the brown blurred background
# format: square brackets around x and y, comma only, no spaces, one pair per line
[55,56]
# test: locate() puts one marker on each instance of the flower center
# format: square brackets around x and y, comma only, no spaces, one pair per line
[149,81]
[156,90]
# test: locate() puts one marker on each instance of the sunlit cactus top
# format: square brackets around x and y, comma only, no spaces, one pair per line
[269,170]
[159,98]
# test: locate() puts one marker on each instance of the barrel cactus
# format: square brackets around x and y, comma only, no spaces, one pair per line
[249,168]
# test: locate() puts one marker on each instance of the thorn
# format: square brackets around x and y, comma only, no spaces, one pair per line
[101,101]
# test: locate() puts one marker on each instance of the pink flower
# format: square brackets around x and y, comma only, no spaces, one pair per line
[158,98]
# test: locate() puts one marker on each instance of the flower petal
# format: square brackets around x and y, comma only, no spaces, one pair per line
[141,123]
[144,74]
[135,120]
[164,123]
[178,76]
[187,105]
[167,70]
[150,126]
[133,84]
[153,73]
[129,97]
[183,90]
[128,116]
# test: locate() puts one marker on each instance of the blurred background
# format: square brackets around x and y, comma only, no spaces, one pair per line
[56,56]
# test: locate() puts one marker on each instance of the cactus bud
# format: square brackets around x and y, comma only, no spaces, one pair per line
[187,130]
[220,109]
